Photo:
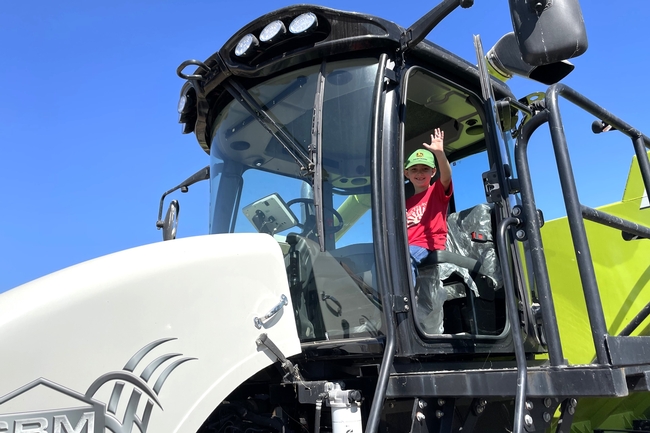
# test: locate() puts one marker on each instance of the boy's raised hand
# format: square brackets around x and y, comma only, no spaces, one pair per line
[436,147]
[437,139]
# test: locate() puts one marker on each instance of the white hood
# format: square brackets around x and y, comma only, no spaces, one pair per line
[66,338]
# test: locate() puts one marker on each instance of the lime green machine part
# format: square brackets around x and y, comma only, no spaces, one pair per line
[353,208]
[623,274]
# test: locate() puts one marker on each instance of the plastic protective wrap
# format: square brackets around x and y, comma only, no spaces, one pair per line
[470,235]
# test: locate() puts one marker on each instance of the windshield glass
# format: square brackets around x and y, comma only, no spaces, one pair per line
[261,187]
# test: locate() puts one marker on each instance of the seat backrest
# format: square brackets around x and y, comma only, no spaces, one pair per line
[471,235]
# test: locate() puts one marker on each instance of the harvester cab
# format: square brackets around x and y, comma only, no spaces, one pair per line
[298,311]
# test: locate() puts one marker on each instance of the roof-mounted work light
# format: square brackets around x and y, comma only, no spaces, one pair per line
[303,23]
[246,45]
[273,32]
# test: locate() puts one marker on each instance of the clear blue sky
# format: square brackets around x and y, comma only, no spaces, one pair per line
[89,131]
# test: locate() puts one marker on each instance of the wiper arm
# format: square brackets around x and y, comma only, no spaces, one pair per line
[316,153]
[203,174]
[294,149]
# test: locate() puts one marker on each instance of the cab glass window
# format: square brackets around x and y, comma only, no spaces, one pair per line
[263,187]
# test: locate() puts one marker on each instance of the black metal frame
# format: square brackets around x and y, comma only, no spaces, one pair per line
[532,227]
[410,341]
[567,381]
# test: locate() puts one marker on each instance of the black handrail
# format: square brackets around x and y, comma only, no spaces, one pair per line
[636,321]
[640,141]
[513,316]
[382,255]
[576,223]
[532,226]
[616,222]
[572,204]
[576,212]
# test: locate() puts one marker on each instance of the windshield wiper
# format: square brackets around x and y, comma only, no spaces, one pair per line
[316,154]
[259,113]
[310,163]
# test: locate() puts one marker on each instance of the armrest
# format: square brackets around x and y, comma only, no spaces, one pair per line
[474,267]
[443,256]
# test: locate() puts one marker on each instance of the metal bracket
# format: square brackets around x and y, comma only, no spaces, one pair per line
[309,392]
[292,372]
[520,228]
[476,409]
[401,304]
[445,413]
[536,309]
[390,75]
[567,410]
[491,186]
[539,413]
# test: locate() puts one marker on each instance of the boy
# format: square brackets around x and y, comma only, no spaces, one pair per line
[426,210]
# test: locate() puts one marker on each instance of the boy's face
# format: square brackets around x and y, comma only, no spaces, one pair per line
[420,175]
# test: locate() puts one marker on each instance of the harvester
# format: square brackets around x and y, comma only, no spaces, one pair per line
[297,311]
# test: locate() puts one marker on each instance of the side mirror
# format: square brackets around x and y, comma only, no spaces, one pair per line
[548,31]
[199,176]
[170,223]
[504,60]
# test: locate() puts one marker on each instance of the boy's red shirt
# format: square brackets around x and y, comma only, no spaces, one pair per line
[426,217]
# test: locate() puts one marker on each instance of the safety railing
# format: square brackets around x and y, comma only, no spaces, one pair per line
[617,350]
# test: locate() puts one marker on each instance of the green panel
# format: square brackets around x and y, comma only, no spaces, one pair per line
[623,275]
[622,272]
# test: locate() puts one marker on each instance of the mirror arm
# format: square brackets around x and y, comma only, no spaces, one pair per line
[200,175]
[422,27]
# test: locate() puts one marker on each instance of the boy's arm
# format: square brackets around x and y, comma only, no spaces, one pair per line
[436,147]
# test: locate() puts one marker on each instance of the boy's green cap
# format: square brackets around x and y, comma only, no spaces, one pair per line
[420,156]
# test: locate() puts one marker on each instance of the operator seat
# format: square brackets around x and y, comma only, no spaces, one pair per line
[462,281]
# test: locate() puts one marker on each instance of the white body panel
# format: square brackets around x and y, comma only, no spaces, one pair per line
[76,325]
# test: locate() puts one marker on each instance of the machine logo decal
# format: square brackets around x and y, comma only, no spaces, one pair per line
[85,414]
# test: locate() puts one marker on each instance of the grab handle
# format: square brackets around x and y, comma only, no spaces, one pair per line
[259,322]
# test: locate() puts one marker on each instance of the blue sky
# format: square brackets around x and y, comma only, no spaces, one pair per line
[89,131]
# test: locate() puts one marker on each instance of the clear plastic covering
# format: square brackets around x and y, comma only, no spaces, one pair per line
[470,235]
